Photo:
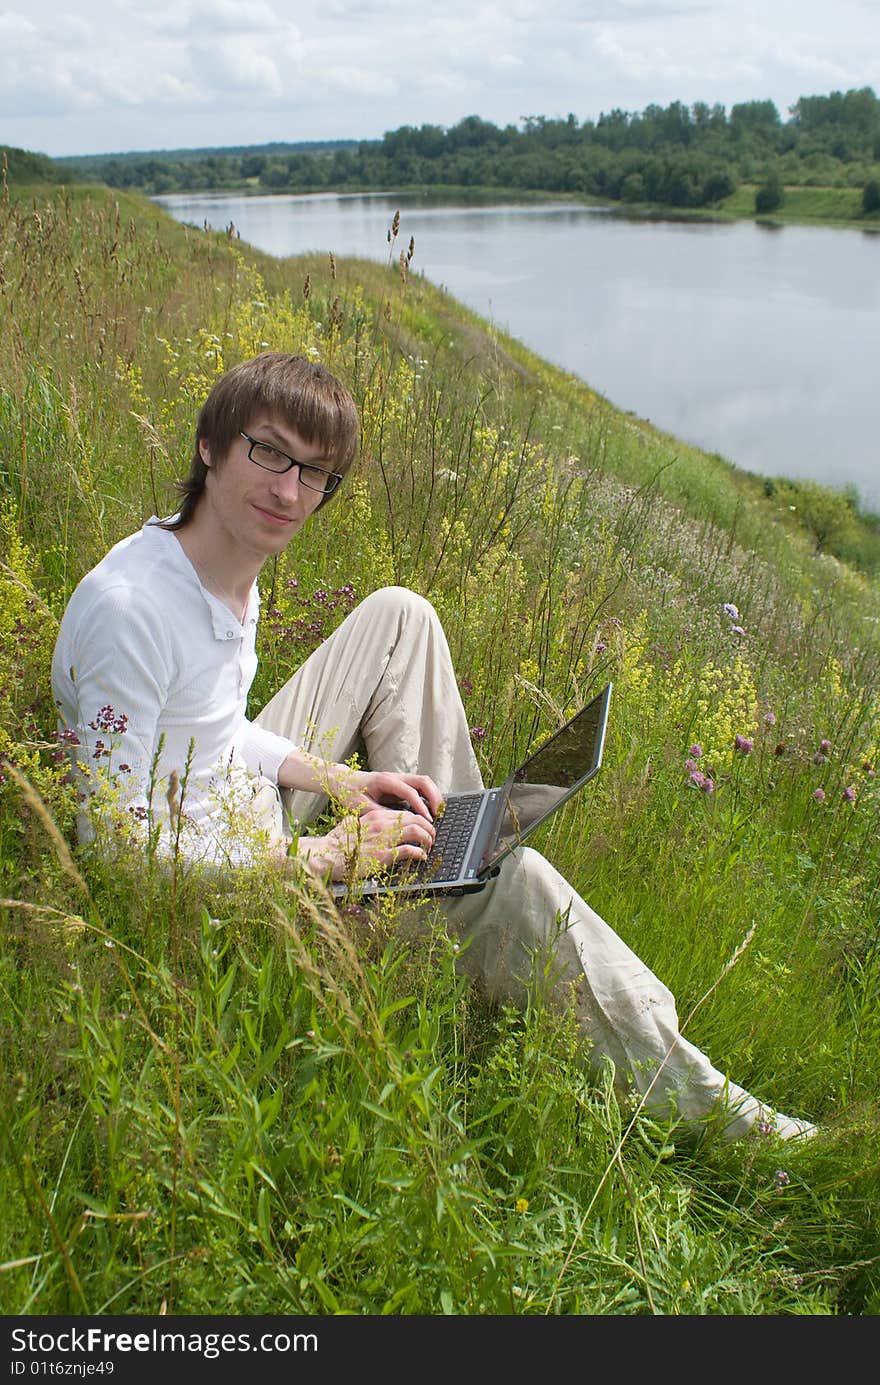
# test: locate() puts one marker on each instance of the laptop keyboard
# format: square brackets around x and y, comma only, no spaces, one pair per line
[454,827]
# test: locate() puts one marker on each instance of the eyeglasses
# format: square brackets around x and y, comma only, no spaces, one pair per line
[268,457]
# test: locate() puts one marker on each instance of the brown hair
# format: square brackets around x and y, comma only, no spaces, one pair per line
[295,390]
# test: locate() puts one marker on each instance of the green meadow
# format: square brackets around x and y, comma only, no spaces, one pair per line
[228,1097]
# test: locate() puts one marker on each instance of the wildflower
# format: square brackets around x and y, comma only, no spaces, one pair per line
[702,781]
[478,733]
[782,1180]
[696,750]
[825,747]
[522,1204]
[601,646]
[769,719]
[465,684]
[737,630]
[849,794]
[819,758]
[819,795]
[691,766]
[730,610]
[744,744]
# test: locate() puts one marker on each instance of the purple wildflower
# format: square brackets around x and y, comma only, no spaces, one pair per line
[478,733]
[601,646]
[849,794]
[730,610]
[107,720]
[782,1180]
[744,744]
[819,795]
[737,630]
[702,781]
[825,747]
[696,750]
[769,719]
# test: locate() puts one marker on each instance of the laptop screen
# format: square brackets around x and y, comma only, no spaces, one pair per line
[551,775]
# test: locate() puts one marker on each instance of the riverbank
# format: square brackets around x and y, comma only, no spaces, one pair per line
[220,1091]
[807,206]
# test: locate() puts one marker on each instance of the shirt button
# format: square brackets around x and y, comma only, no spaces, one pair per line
[230,634]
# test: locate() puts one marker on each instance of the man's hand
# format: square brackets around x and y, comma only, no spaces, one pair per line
[370,840]
[365,789]
[357,790]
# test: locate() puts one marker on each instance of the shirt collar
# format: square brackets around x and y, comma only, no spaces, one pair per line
[224,625]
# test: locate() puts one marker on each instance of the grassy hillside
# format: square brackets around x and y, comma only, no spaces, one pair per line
[231,1098]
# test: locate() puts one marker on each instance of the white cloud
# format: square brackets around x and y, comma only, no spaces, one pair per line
[358,80]
[14,28]
[233,71]
[206,17]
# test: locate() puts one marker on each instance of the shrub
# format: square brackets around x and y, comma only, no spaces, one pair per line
[770,195]
[871,196]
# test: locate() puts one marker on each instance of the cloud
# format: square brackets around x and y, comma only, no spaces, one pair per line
[14,28]
[231,70]
[210,17]
[359,80]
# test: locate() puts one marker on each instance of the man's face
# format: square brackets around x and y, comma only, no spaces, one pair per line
[259,510]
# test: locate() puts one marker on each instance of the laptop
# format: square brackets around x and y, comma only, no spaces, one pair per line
[477,830]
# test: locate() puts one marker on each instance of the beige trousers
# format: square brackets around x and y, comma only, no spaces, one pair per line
[383,684]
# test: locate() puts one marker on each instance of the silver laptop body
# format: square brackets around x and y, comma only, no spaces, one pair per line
[477,830]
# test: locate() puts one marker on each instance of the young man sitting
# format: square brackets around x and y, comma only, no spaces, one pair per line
[153,664]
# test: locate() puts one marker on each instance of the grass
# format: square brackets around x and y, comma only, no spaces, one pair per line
[225,1097]
[829,205]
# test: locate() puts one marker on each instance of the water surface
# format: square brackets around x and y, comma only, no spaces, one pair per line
[760,344]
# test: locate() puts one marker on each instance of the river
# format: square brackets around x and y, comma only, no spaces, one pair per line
[759,343]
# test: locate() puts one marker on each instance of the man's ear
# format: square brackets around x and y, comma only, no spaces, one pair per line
[205,451]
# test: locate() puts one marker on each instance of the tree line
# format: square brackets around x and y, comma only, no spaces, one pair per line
[675,155]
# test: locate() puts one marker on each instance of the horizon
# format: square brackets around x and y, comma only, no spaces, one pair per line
[355,140]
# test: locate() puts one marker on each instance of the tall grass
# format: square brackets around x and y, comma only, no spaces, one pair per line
[229,1097]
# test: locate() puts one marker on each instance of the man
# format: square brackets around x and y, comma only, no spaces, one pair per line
[154,660]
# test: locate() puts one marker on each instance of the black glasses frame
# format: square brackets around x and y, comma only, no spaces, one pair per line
[332,477]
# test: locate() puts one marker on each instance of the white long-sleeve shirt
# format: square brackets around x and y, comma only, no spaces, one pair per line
[151,674]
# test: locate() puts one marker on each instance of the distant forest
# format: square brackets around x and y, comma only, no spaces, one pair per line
[676,155]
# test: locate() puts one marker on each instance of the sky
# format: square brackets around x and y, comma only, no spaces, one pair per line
[111,76]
